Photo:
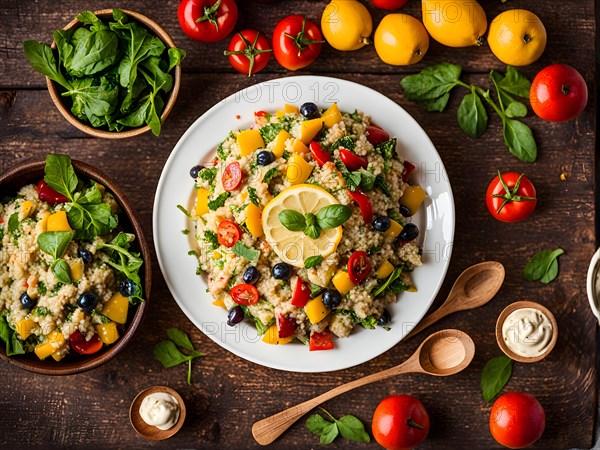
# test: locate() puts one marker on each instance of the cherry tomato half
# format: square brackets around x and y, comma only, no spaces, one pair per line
[296,42]
[408,169]
[400,422]
[286,326]
[83,347]
[248,51]
[389,4]
[359,266]
[320,155]
[364,203]
[352,161]
[228,233]
[49,195]
[510,197]
[376,135]
[301,294]
[232,176]
[320,341]
[244,294]
[207,20]
[517,420]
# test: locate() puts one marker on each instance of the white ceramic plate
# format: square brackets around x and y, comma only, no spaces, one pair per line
[435,221]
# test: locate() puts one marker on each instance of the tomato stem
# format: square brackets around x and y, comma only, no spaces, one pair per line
[510,195]
[210,14]
[412,423]
[300,40]
[249,52]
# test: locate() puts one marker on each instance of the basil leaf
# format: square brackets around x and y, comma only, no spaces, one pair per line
[367,180]
[329,433]
[176,56]
[55,243]
[494,376]
[539,266]
[91,220]
[353,179]
[316,424]
[472,116]
[60,175]
[41,58]
[519,140]
[90,196]
[515,83]
[180,338]
[219,201]
[515,109]
[380,289]
[62,271]
[13,222]
[292,220]
[332,216]
[352,429]
[313,231]
[250,254]
[252,195]
[312,261]
[431,87]
[167,353]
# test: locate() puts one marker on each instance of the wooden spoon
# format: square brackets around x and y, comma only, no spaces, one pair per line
[444,353]
[473,288]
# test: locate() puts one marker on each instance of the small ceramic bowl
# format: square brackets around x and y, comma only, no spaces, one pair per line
[33,171]
[507,312]
[149,431]
[593,292]
[54,91]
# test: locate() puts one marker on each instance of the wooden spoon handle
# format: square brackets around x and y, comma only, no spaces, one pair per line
[267,430]
[428,320]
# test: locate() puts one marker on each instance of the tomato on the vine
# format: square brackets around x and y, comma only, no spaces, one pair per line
[244,294]
[248,51]
[400,422]
[517,420]
[207,20]
[228,233]
[296,42]
[510,197]
[389,4]
[359,266]
[83,347]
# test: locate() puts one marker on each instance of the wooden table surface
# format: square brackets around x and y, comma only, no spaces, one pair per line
[91,410]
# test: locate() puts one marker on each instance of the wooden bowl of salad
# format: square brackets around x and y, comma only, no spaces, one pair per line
[108,96]
[75,273]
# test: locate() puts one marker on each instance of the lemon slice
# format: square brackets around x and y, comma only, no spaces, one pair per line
[294,247]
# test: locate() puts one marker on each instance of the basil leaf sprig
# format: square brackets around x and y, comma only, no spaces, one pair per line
[495,375]
[312,261]
[330,216]
[431,89]
[543,266]
[348,426]
[55,244]
[168,354]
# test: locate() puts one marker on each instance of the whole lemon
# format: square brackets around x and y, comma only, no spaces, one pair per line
[401,40]
[517,37]
[455,23]
[346,24]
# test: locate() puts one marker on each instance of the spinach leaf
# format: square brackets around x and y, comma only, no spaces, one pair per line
[91,220]
[431,87]
[167,353]
[515,83]
[312,261]
[60,175]
[348,426]
[180,339]
[519,140]
[65,49]
[251,254]
[155,76]
[61,270]
[346,142]
[292,220]
[176,56]
[515,109]
[381,184]
[367,180]
[332,216]
[494,376]
[383,287]
[8,335]
[92,97]
[472,116]
[352,429]
[13,222]
[41,58]
[543,266]
[55,243]
[95,51]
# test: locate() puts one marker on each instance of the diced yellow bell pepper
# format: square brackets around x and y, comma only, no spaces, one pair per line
[76,269]
[202,201]
[24,327]
[316,310]
[217,255]
[249,140]
[385,269]
[116,308]
[219,302]
[298,169]
[54,342]
[299,147]
[341,281]
[272,337]
[331,116]
[254,220]
[42,225]
[309,129]
[287,108]
[244,195]
[58,222]
[59,354]
[413,198]
[107,332]
[26,209]
[280,141]
[394,230]
[279,114]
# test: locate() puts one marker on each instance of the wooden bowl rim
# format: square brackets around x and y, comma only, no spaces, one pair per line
[520,305]
[56,98]
[148,431]
[65,368]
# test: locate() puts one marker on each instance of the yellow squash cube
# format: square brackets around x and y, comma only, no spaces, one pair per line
[24,327]
[413,198]
[202,201]
[250,140]
[309,129]
[316,310]
[54,342]
[385,269]
[254,220]
[298,169]
[116,308]
[107,332]
[271,337]
[58,222]
[341,281]
[331,116]
[299,147]
[280,141]
[394,230]
[59,354]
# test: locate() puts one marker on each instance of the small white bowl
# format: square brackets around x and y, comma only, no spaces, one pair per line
[591,284]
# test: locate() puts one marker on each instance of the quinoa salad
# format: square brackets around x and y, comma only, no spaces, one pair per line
[302,224]
[67,273]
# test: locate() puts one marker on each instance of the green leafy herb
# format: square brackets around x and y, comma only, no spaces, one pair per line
[269,132]
[250,254]
[62,271]
[346,142]
[361,178]
[55,243]
[292,220]
[494,376]
[271,173]
[208,174]
[41,58]
[348,426]
[315,290]
[431,87]
[472,116]
[41,311]
[252,196]
[387,149]
[262,328]
[332,216]
[543,266]
[381,184]
[99,316]
[212,238]
[60,175]
[13,222]
[169,355]
[312,261]
[184,211]
[14,346]
[219,201]
[41,287]
[382,288]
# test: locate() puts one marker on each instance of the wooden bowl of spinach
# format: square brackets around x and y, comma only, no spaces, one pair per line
[111,73]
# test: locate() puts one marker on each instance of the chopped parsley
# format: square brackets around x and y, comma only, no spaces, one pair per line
[219,201]
[41,287]
[346,142]
[41,311]
[208,174]
[269,132]
[212,238]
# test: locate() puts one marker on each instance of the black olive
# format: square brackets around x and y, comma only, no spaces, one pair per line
[265,158]
[127,287]
[310,110]
[282,271]
[87,301]
[27,301]
[332,298]
[382,224]
[235,315]
[385,318]
[85,255]
[405,211]
[409,232]
[251,275]
[194,171]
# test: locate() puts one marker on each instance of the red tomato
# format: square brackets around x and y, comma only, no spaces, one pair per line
[376,135]
[558,93]
[408,169]
[244,294]
[296,42]
[49,195]
[83,347]
[249,51]
[364,203]
[320,155]
[400,422]
[232,176]
[352,161]
[389,4]
[228,233]
[207,20]
[286,326]
[320,341]
[359,266]
[301,294]
[512,202]
[517,420]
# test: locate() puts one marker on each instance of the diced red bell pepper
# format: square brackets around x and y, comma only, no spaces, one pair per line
[49,195]
[301,294]
[364,203]
[320,155]
[352,161]
[286,326]
[83,347]
[320,341]
[408,169]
